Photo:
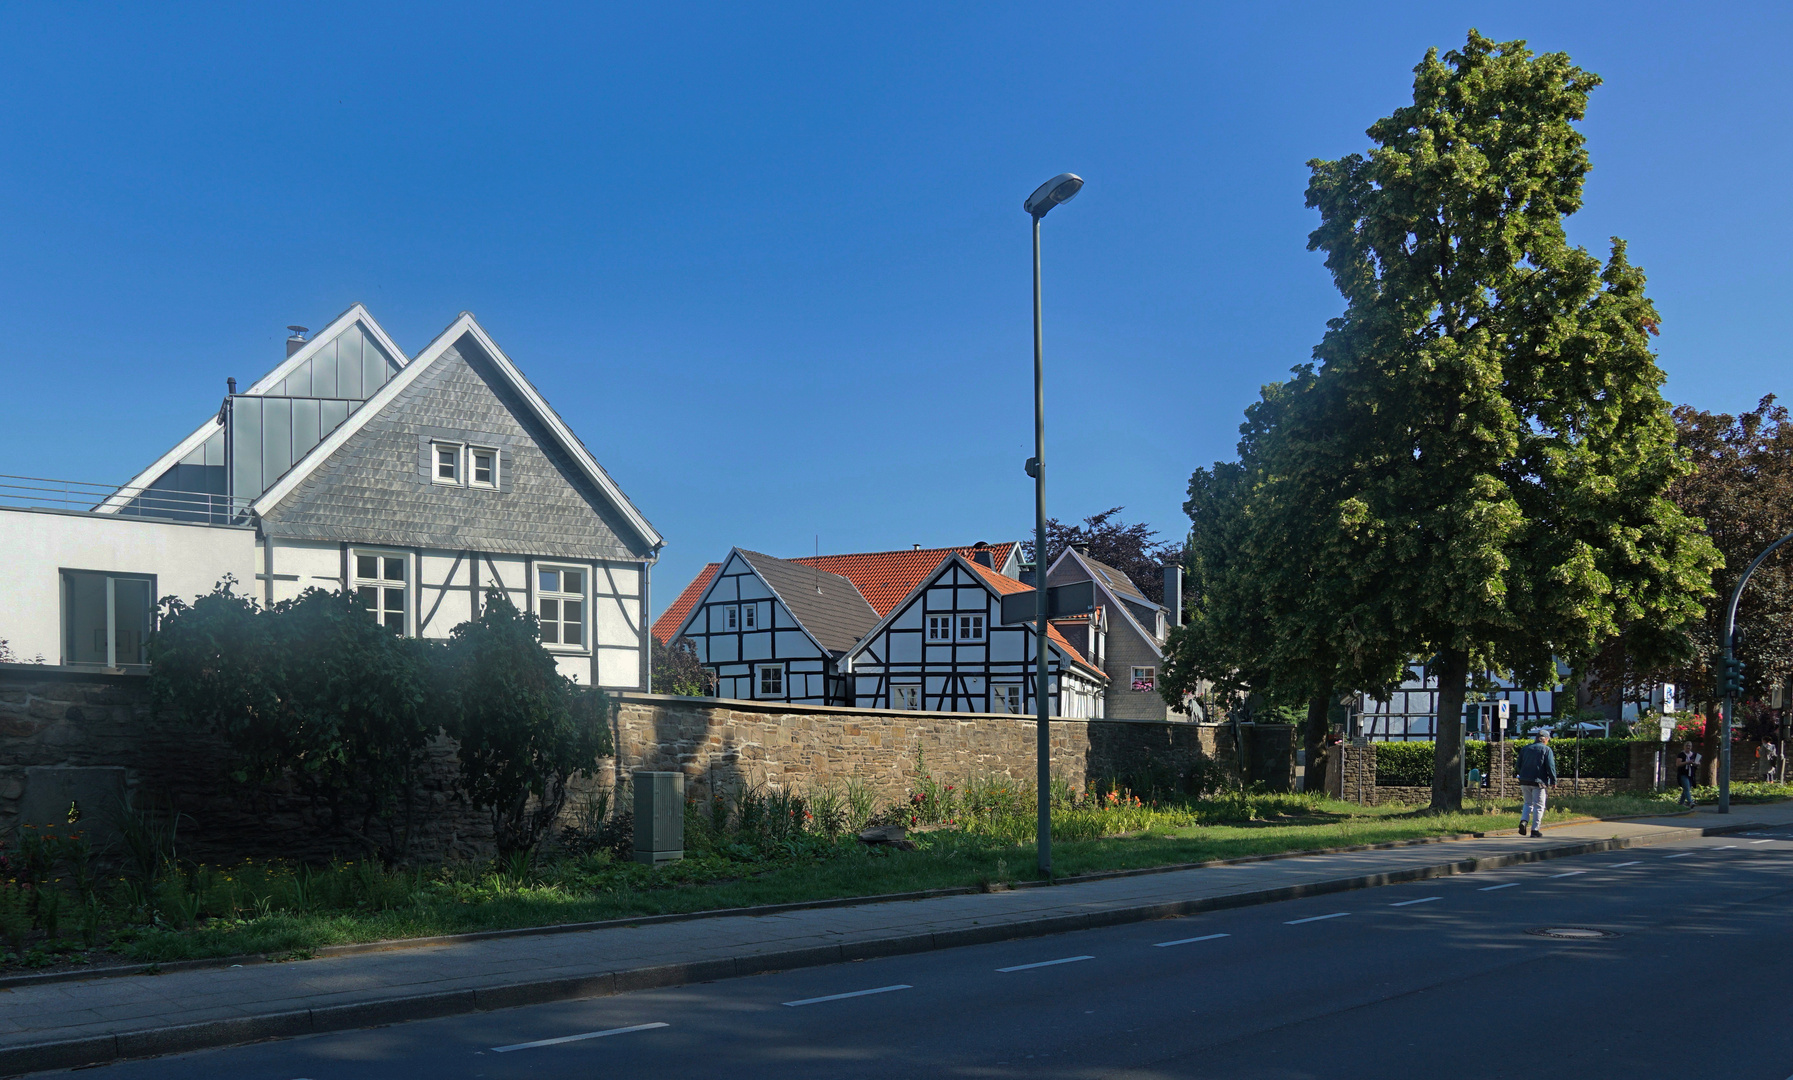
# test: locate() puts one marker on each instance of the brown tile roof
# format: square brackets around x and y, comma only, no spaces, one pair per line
[669,622]
[885,577]
[1007,585]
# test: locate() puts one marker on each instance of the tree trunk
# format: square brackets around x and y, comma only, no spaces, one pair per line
[1447,746]
[1314,741]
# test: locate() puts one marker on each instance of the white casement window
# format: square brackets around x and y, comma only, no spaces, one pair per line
[381,583]
[971,628]
[445,463]
[1145,678]
[1006,699]
[940,627]
[749,616]
[771,680]
[731,618]
[482,467]
[905,697]
[560,603]
[106,618]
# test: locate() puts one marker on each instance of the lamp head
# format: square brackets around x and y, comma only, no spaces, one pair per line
[1061,188]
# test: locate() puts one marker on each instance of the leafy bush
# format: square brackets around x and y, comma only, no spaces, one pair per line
[678,671]
[1410,763]
[311,692]
[524,729]
[1405,764]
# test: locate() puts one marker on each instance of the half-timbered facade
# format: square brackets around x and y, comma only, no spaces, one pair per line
[416,483]
[774,630]
[943,648]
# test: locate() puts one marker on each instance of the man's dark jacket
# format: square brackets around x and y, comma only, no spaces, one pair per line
[1537,765]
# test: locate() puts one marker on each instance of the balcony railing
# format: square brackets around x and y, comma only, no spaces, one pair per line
[42,493]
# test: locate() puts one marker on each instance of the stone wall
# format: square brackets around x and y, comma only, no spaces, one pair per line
[721,745]
[66,730]
[61,727]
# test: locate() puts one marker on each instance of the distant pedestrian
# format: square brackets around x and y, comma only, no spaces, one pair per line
[1769,756]
[1687,767]
[1537,771]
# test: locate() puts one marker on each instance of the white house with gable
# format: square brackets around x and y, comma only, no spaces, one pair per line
[418,483]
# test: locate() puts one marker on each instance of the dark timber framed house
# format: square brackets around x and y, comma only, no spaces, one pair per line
[943,648]
[774,630]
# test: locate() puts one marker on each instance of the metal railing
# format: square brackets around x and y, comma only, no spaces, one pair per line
[124,500]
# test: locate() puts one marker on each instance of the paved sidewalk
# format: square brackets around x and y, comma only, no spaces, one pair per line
[71,1023]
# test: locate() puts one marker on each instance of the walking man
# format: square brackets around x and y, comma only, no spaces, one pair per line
[1687,766]
[1537,771]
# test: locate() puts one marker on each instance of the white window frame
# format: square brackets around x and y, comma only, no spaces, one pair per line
[972,632]
[561,597]
[731,619]
[750,616]
[111,629]
[474,453]
[381,583]
[460,464]
[940,627]
[1151,678]
[905,697]
[760,671]
[1000,694]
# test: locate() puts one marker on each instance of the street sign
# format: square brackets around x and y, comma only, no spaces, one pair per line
[1077,598]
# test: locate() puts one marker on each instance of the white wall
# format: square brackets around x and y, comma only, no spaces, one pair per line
[36,545]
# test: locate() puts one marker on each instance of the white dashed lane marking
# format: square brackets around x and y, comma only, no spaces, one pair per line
[1568,873]
[1491,888]
[575,1038]
[1683,855]
[1317,918]
[1617,865]
[1046,963]
[854,994]
[1188,940]
[1421,900]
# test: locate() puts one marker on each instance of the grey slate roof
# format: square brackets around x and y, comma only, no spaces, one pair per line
[837,616]
[376,488]
[1116,580]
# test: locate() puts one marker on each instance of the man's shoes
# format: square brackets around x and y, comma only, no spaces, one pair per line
[1522,828]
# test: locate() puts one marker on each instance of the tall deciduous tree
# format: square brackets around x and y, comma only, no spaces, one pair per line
[1129,548]
[1514,450]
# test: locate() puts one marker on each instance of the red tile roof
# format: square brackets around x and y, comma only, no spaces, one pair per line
[1005,586]
[669,621]
[885,577]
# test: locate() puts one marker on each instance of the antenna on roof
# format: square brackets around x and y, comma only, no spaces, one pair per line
[818,567]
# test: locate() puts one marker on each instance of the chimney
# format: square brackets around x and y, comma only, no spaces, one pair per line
[1173,593]
[297,341]
[980,553]
[231,385]
[918,547]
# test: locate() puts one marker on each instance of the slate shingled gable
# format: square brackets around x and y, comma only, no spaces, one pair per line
[375,489]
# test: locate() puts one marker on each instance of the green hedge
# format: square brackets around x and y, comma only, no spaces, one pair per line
[1409,764]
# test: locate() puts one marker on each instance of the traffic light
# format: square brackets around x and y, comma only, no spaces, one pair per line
[1730,678]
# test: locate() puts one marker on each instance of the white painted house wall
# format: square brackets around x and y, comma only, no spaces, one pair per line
[186,560]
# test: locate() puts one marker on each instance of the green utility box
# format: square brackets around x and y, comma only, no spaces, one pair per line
[659,816]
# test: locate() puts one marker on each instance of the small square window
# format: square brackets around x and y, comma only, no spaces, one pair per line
[771,680]
[448,464]
[1007,699]
[395,569]
[1144,678]
[484,467]
[940,627]
[367,566]
[905,697]
[971,628]
[550,580]
[380,585]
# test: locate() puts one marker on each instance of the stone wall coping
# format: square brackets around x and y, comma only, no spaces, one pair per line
[745,705]
[69,673]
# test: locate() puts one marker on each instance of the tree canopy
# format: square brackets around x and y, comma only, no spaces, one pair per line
[1129,548]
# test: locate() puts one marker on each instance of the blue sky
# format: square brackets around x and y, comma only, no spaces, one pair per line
[770,261]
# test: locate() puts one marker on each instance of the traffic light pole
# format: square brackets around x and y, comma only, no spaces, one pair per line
[1731,675]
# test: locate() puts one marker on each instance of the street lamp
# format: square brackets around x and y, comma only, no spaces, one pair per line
[1061,188]
[1730,671]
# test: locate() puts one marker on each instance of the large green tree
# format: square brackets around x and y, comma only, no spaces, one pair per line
[1513,450]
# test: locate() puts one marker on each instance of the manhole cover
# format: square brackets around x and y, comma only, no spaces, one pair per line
[1572,933]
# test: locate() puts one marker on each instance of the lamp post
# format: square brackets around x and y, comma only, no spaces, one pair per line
[1061,188]
[1728,680]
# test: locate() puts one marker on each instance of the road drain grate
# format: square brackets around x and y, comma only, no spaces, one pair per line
[1572,933]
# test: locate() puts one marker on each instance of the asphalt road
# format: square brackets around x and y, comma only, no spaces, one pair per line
[1444,978]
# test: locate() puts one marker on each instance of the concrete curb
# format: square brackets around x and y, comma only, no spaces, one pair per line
[184,1038]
